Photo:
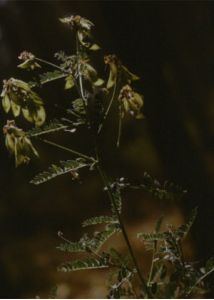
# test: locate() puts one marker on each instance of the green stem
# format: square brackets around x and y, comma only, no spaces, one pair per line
[79,73]
[51,64]
[108,108]
[69,150]
[119,126]
[123,229]
[47,131]
[198,281]
[151,268]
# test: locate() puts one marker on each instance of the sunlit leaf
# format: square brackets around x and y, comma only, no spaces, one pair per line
[99,220]
[51,76]
[69,166]
[83,264]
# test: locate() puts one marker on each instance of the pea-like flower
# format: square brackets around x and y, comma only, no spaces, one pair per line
[83,27]
[131,102]
[18,96]
[29,61]
[117,70]
[18,143]
[76,21]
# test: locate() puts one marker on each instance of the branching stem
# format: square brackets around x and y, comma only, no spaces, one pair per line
[123,229]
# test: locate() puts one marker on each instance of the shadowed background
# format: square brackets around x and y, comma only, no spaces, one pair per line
[171,47]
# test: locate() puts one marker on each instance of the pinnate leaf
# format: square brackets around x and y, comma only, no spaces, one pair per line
[83,264]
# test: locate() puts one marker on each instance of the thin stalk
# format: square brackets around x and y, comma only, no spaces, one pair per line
[51,64]
[119,126]
[108,108]
[123,229]
[47,131]
[152,268]
[59,68]
[79,73]
[198,281]
[69,150]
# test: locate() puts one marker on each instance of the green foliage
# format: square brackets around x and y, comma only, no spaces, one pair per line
[69,166]
[72,247]
[83,264]
[51,127]
[51,76]
[99,220]
[165,191]
[101,237]
[170,275]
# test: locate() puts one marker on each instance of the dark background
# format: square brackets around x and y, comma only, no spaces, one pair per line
[170,45]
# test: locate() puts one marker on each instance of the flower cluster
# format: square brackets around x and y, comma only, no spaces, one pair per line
[29,61]
[18,96]
[78,22]
[83,27]
[18,143]
[131,102]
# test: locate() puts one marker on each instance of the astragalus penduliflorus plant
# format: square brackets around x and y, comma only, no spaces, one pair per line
[170,275]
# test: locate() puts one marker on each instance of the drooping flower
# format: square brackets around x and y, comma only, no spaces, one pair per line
[131,102]
[18,96]
[83,27]
[29,61]
[76,21]
[18,143]
[117,69]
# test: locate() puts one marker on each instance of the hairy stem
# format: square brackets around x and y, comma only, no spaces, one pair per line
[124,232]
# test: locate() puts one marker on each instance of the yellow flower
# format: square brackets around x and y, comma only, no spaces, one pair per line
[131,102]
[18,143]
[18,96]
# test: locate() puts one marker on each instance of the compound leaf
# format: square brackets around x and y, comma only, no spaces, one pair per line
[69,166]
[98,220]
[84,264]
